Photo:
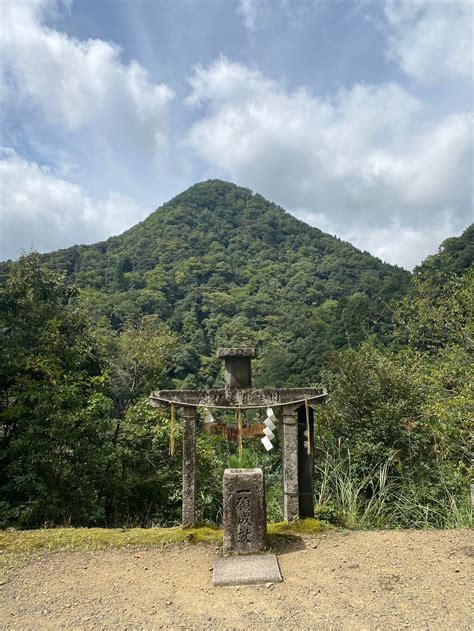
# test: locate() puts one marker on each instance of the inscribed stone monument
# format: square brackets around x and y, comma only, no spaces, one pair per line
[245,519]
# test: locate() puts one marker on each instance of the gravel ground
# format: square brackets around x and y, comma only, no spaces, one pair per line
[358,580]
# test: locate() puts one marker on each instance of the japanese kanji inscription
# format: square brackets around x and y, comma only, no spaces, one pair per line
[244,511]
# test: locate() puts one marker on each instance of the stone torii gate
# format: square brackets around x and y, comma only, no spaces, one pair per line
[238,394]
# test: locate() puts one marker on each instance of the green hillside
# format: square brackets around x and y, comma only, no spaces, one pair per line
[454,257]
[224,266]
[81,350]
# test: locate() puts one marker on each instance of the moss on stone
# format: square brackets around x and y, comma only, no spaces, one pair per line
[302,526]
[25,541]
[13,541]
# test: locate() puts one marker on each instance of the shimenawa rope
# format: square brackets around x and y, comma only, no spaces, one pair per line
[276,404]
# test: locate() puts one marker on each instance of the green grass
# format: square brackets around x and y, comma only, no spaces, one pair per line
[301,527]
[98,538]
[26,541]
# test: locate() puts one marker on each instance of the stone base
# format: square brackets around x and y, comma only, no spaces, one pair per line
[246,570]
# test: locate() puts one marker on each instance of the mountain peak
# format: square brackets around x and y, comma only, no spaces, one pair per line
[223,266]
[211,194]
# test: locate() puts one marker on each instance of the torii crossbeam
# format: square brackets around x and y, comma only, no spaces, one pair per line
[238,393]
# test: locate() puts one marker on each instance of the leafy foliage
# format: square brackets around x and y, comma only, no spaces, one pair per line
[55,413]
[395,437]
[454,258]
[78,446]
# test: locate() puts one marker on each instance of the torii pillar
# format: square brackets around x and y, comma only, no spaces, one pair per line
[238,393]
[188,516]
[291,510]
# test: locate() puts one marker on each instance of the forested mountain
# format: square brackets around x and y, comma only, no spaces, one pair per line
[223,266]
[454,257]
[87,332]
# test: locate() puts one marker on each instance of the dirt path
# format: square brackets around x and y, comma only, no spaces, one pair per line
[361,580]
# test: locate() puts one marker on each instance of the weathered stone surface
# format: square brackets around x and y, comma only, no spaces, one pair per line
[189,467]
[290,464]
[237,372]
[237,366]
[245,519]
[234,397]
[248,570]
[236,352]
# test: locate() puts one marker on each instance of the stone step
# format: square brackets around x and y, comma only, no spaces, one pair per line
[246,570]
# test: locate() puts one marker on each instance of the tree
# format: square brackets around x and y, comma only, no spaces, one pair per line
[439,322]
[439,315]
[55,414]
[139,357]
[374,410]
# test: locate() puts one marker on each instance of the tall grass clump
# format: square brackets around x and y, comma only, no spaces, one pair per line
[384,497]
[356,502]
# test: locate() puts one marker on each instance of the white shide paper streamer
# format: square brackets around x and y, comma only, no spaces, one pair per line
[266,443]
[269,424]
[271,416]
[208,418]
[268,433]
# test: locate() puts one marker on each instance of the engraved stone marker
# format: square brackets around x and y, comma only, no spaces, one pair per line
[245,519]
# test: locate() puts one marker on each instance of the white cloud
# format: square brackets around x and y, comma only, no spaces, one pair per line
[99,123]
[364,163]
[79,84]
[40,209]
[432,39]
[258,14]
[361,162]
[397,243]
[248,10]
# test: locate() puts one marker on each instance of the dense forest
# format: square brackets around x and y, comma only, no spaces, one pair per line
[87,332]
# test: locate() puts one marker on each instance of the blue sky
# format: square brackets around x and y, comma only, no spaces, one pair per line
[354,115]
